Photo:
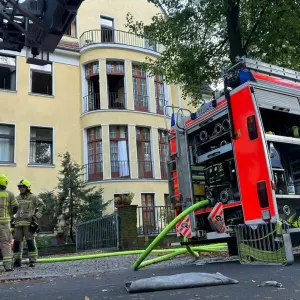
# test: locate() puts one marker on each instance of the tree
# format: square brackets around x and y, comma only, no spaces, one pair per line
[76,202]
[202,36]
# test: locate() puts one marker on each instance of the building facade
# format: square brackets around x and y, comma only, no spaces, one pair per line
[92,100]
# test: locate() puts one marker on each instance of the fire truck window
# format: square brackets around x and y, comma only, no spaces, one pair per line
[252,129]
[262,194]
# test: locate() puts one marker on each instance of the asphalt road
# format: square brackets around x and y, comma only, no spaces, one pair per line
[110,285]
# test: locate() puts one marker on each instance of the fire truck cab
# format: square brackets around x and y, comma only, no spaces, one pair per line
[242,153]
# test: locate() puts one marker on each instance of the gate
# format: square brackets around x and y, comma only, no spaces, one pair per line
[98,234]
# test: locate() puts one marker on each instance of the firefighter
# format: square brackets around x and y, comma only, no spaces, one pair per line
[8,207]
[26,223]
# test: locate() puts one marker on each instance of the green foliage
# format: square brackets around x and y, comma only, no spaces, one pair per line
[49,211]
[201,37]
[75,201]
[43,241]
[126,199]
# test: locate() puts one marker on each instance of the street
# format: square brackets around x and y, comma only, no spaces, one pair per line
[110,285]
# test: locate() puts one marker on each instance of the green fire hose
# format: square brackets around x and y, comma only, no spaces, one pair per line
[170,226]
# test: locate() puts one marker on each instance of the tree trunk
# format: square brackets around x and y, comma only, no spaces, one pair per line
[234,34]
[71,218]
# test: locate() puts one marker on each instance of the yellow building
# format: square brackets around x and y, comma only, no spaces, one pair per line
[94,101]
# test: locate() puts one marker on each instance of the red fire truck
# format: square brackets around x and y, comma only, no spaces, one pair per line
[242,153]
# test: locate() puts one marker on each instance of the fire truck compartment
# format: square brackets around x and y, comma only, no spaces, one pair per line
[213,173]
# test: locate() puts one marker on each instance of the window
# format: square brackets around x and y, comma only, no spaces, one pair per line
[119,152]
[7,143]
[159,94]
[107,29]
[71,30]
[139,88]
[92,99]
[41,79]
[7,73]
[167,200]
[144,152]
[115,84]
[163,152]
[41,145]
[148,213]
[95,154]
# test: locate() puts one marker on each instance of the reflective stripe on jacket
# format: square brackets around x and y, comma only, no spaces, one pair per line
[7,202]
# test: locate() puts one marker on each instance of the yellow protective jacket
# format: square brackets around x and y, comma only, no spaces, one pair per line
[8,203]
[30,206]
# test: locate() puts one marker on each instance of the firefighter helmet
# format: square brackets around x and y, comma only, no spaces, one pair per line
[26,183]
[3,180]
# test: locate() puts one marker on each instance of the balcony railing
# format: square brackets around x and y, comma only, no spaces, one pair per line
[116,100]
[111,36]
[145,169]
[91,102]
[153,219]
[141,102]
[120,169]
[94,171]
[163,170]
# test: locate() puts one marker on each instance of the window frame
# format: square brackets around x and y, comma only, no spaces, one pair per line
[149,211]
[136,74]
[118,138]
[16,72]
[52,164]
[159,82]
[95,175]
[163,145]
[142,140]
[31,70]
[13,162]
[70,28]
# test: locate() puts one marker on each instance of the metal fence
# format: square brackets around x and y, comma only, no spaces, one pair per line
[100,234]
[153,219]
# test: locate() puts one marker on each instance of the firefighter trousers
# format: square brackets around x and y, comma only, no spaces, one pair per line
[5,245]
[19,234]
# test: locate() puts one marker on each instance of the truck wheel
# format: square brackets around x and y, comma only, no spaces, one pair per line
[232,247]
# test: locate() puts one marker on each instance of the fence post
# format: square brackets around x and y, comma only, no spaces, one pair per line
[128,226]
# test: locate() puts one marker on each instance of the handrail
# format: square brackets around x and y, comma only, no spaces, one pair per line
[113,36]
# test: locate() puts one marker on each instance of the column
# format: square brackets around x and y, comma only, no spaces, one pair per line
[106,152]
[152,95]
[103,84]
[128,85]
[155,153]
[132,151]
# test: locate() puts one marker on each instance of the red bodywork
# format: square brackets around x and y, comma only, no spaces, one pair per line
[250,157]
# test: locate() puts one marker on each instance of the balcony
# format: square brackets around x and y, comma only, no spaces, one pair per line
[163,170]
[141,102]
[94,171]
[91,102]
[116,100]
[120,169]
[111,36]
[145,169]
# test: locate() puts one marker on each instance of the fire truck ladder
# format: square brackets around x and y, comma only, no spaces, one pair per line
[269,69]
